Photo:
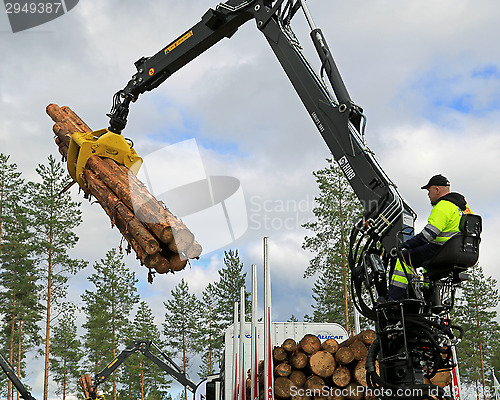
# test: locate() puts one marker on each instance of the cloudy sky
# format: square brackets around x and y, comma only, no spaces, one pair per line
[426,73]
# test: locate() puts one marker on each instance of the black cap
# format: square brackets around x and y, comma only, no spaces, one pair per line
[437,180]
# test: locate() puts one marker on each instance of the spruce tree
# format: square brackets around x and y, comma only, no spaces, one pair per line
[475,313]
[108,309]
[140,377]
[336,211]
[55,216]
[182,314]
[66,352]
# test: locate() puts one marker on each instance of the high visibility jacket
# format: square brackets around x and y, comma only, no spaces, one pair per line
[442,224]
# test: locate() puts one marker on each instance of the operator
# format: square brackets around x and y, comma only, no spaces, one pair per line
[443,223]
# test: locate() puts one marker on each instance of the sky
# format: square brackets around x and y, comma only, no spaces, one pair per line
[426,73]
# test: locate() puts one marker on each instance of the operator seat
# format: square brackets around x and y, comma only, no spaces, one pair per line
[459,252]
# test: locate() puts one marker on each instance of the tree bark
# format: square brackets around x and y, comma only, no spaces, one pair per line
[160,240]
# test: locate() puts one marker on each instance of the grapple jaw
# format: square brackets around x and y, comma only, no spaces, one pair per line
[102,143]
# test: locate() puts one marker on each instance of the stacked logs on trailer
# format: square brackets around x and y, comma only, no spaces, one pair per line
[323,370]
[160,240]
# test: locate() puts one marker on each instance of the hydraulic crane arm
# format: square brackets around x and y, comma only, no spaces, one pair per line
[143,346]
[6,367]
[336,117]
[414,336]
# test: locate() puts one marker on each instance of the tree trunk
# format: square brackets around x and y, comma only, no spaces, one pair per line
[344,355]
[290,345]
[341,376]
[47,322]
[283,369]
[282,387]
[160,240]
[322,363]
[330,345]
[310,343]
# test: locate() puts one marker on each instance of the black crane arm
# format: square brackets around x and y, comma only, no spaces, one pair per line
[143,346]
[11,375]
[336,117]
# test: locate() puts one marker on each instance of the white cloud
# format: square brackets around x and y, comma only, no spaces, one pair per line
[237,102]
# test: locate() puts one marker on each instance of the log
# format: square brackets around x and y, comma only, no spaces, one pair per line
[290,345]
[283,369]
[310,343]
[159,239]
[341,376]
[330,345]
[282,387]
[298,378]
[298,393]
[315,383]
[358,349]
[279,354]
[360,373]
[441,379]
[367,337]
[344,355]
[353,391]
[299,360]
[322,363]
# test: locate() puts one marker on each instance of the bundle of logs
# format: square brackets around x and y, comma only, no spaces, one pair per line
[160,240]
[327,371]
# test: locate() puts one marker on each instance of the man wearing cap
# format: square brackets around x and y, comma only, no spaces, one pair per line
[443,223]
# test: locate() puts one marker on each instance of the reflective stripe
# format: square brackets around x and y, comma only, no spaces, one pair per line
[399,273]
[447,234]
[399,284]
[432,228]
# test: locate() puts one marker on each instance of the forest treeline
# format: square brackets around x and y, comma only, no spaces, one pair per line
[38,221]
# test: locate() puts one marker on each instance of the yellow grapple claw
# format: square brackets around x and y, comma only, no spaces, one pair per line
[102,143]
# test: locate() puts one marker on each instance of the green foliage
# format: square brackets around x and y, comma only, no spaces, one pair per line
[66,352]
[336,211]
[20,309]
[475,312]
[208,337]
[55,216]
[108,308]
[225,293]
[140,377]
[180,328]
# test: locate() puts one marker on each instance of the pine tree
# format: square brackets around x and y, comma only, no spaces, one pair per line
[55,216]
[227,289]
[140,377]
[336,211]
[475,312]
[108,308]
[208,337]
[66,352]
[181,324]
[19,306]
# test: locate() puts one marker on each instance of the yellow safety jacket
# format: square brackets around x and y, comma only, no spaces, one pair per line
[442,224]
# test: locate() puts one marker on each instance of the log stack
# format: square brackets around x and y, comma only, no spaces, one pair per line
[306,368]
[324,370]
[160,240]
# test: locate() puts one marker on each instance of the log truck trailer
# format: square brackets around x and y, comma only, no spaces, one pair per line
[414,336]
